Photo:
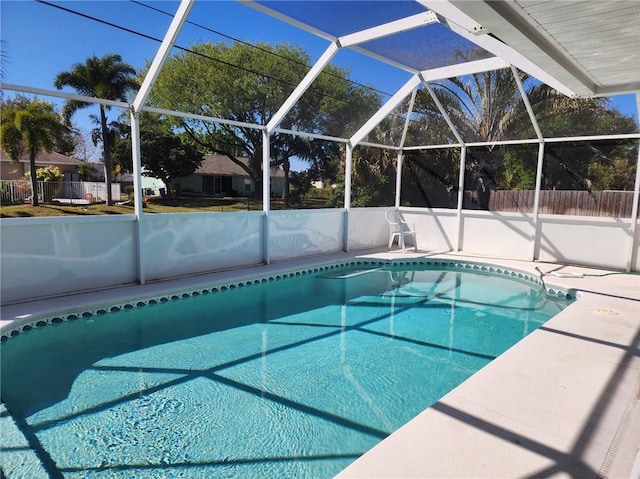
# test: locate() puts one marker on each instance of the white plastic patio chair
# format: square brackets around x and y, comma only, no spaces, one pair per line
[398,228]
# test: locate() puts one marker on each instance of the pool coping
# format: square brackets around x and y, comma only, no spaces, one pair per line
[26,316]
[478,417]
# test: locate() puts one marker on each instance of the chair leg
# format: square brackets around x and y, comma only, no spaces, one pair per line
[392,238]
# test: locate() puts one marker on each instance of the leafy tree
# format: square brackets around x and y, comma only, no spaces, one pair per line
[108,78]
[49,173]
[86,170]
[165,155]
[591,165]
[518,170]
[431,178]
[249,83]
[301,183]
[373,179]
[487,107]
[85,149]
[31,126]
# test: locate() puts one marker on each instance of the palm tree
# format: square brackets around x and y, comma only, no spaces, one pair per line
[108,78]
[488,107]
[33,126]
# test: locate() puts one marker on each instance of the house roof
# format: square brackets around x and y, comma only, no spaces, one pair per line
[216,164]
[45,159]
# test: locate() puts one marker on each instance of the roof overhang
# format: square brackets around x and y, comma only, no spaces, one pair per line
[590,46]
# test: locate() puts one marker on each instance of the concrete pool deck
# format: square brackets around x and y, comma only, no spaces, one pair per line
[563,402]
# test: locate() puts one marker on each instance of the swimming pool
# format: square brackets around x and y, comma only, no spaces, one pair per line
[292,375]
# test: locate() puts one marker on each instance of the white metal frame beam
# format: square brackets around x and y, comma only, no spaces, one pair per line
[468,68]
[195,116]
[466,27]
[377,117]
[540,163]
[527,103]
[303,86]
[390,28]
[62,94]
[510,22]
[169,40]
[379,31]
[444,113]
[400,157]
[161,55]
[291,21]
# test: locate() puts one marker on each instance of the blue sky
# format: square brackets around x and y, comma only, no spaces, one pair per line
[53,40]
[39,40]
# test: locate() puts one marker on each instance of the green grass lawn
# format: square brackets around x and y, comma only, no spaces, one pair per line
[319,199]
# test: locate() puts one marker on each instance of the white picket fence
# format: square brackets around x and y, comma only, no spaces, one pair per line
[13,192]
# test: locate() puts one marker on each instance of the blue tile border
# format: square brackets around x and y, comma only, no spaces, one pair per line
[449,265]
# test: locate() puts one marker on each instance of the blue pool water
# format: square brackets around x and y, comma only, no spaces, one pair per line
[292,378]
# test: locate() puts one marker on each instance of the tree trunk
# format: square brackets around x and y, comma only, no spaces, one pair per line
[258,188]
[34,179]
[106,147]
[167,188]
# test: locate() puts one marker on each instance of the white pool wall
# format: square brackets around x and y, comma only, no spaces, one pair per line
[42,257]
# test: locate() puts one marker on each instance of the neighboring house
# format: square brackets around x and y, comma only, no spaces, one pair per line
[10,170]
[218,175]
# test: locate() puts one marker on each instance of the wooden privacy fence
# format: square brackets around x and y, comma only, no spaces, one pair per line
[615,204]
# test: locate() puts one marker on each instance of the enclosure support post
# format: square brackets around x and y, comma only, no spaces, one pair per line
[137,188]
[633,244]
[347,193]
[347,176]
[463,162]
[266,192]
[398,178]
[534,122]
[535,246]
